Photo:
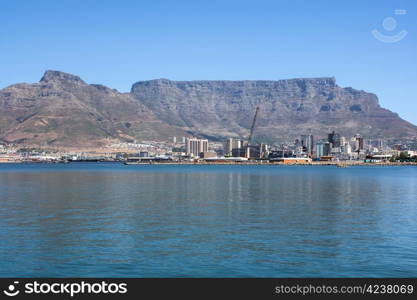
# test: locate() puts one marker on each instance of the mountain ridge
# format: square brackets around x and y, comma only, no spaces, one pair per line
[63,110]
[290,107]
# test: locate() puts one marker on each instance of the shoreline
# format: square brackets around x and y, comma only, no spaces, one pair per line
[343,164]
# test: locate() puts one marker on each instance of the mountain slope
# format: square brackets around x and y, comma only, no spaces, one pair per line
[63,110]
[288,108]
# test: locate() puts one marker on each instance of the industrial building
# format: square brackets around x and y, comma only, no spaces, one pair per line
[292,160]
[194,146]
[231,144]
[307,143]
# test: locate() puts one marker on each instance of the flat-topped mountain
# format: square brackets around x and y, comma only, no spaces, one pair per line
[288,108]
[63,110]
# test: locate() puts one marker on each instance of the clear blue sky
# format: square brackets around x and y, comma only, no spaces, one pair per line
[119,42]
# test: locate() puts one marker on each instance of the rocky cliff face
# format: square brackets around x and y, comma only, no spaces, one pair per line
[63,110]
[288,108]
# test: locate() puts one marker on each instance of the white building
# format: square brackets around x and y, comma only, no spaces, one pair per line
[195,146]
[232,144]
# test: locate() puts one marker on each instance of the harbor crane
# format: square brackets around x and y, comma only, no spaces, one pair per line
[253,126]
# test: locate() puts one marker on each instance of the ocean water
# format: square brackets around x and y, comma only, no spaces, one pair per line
[112,220]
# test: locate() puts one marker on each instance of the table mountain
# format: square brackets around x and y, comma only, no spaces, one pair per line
[63,110]
[288,108]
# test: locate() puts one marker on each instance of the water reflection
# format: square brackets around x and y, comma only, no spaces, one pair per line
[198,221]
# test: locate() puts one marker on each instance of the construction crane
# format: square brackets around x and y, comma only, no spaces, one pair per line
[253,126]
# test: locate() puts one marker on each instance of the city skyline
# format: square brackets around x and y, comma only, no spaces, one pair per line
[265,148]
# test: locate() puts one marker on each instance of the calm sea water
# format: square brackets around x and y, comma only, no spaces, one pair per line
[103,220]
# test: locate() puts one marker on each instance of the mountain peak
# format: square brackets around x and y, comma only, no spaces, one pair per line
[58,76]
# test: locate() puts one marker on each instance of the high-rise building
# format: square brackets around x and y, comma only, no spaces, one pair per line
[263,150]
[334,139]
[174,139]
[381,145]
[232,144]
[196,146]
[307,142]
[359,144]
[344,145]
[347,148]
[322,149]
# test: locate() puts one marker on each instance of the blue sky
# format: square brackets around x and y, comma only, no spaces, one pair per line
[119,42]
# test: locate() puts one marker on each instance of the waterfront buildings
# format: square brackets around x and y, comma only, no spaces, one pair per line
[236,148]
[341,148]
[292,160]
[194,146]
[307,142]
[322,149]
[208,154]
[231,144]
[359,143]
[332,146]
[264,150]
[334,139]
[143,154]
